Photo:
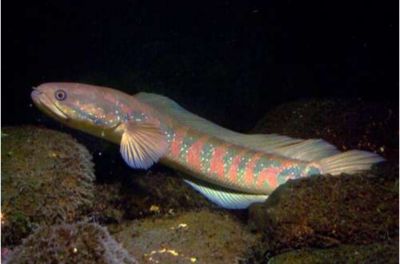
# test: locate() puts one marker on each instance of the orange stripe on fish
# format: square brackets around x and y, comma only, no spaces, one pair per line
[233,170]
[217,161]
[249,173]
[194,153]
[176,144]
[270,176]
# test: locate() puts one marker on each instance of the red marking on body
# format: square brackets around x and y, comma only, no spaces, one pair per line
[125,109]
[287,163]
[249,176]
[232,173]
[269,175]
[217,160]
[194,153]
[110,97]
[177,142]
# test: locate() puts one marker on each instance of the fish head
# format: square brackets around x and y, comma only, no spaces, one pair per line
[86,107]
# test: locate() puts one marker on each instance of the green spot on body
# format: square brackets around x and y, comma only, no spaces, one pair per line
[289,173]
[170,133]
[263,163]
[312,171]
[242,167]
[187,142]
[266,185]
[206,155]
[228,158]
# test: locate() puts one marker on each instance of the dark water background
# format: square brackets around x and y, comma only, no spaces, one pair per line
[230,61]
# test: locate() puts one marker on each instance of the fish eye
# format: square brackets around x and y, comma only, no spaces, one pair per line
[60,95]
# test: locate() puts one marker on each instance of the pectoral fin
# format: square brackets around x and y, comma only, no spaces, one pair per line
[142,144]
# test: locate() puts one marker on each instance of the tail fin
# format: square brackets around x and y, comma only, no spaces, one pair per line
[349,162]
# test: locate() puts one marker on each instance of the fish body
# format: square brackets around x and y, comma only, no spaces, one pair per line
[229,165]
[231,169]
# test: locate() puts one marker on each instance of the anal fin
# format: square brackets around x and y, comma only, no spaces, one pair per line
[226,198]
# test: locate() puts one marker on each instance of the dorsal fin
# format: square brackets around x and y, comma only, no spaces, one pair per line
[307,150]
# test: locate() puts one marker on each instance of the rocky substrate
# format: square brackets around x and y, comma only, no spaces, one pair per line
[347,217]
[48,188]
[372,253]
[329,211]
[84,243]
[46,178]
[201,236]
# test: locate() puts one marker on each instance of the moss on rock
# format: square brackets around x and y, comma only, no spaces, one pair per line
[70,243]
[373,253]
[192,237]
[47,178]
[323,211]
[326,211]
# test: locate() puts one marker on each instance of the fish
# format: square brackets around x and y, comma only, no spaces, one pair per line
[231,169]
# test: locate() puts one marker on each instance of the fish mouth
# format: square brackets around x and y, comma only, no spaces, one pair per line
[43,102]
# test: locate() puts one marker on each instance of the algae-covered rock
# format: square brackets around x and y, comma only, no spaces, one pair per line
[70,243]
[157,192]
[109,206]
[373,253]
[347,124]
[324,210]
[192,237]
[47,178]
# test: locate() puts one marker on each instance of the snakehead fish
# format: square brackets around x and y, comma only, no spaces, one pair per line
[231,169]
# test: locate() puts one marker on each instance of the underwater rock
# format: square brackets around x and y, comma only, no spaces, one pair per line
[192,237]
[157,192]
[5,253]
[109,206]
[47,178]
[70,243]
[373,253]
[347,124]
[324,211]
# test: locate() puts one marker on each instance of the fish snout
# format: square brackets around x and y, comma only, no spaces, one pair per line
[35,95]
